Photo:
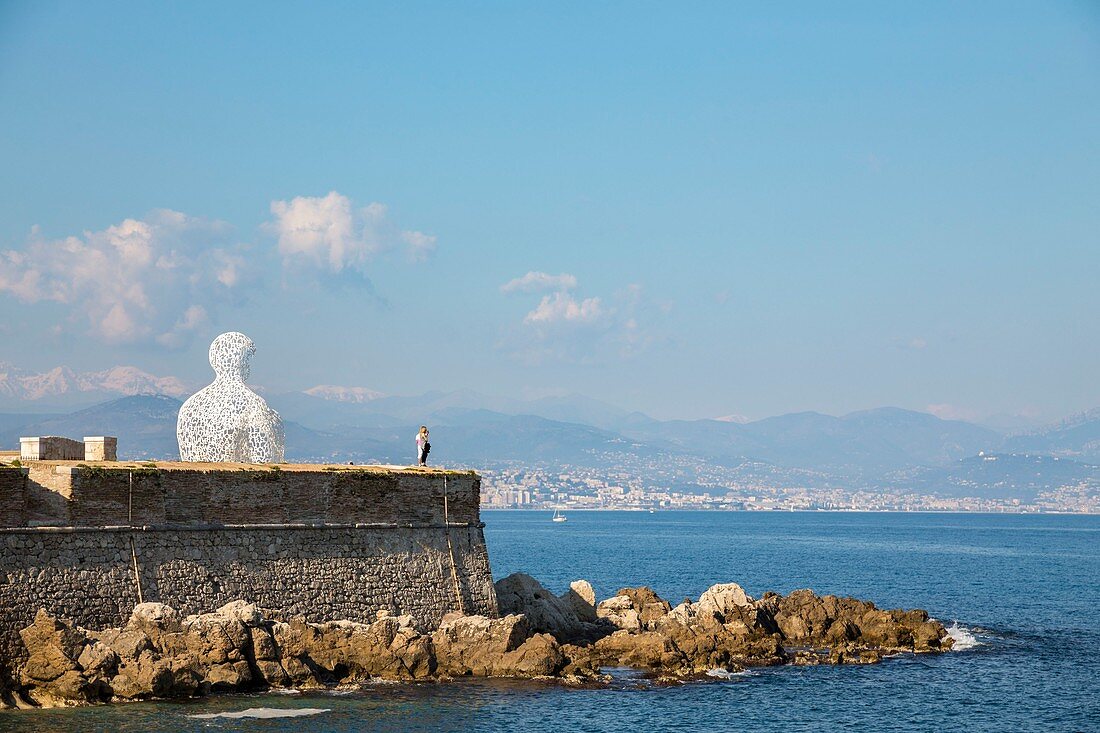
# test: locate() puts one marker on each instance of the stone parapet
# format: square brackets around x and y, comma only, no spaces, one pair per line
[187,494]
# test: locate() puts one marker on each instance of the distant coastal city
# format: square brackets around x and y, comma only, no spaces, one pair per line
[727,489]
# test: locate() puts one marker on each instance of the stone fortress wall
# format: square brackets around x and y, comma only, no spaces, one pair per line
[88,542]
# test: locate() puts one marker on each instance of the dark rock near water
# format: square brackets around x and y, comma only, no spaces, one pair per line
[159,654]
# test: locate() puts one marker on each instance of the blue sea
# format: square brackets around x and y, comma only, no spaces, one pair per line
[1022,594]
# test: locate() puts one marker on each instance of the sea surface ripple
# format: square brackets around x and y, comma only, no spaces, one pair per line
[1019,593]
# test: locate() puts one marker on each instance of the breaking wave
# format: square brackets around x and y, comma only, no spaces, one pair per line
[964,637]
[265,713]
[724,674]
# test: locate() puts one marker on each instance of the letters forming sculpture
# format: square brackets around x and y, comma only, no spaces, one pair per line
[226,421]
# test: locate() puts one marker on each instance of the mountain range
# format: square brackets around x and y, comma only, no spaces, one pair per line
[19,386]
[885,447]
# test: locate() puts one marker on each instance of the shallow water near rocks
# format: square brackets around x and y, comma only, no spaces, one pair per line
[1019,593]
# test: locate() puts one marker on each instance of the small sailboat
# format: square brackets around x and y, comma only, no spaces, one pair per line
[559,517]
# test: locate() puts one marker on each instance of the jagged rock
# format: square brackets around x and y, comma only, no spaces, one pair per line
[581,664]
[538,656]
[581,597]
[649,605]
[684,613]
[475,645]
[144,677]
[53,646]
[681,640]
[931,636]
[504,647]
[126,643]
[647,650]
[685,649]
[154,618]
[706,643]
[265,659]
[52,672]
[633,609]
[219,644]
[158,654]
[620,612]
[804,658]
[851,654]
[98,661]
[246,613]
[546,613]
[722,600]
[805,618]
[347,652]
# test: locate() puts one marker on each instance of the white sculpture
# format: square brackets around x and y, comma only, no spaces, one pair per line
[226,421]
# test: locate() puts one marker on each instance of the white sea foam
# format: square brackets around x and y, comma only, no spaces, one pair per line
[344,690]
[725,674]
[964,637]
[264,713]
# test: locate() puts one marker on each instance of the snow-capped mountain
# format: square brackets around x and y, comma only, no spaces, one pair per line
[337,393]
[18,385]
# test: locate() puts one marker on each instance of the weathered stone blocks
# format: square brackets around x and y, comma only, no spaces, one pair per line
[318,573]
[150,494]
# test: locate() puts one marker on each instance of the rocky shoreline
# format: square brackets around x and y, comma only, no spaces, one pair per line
[569,638]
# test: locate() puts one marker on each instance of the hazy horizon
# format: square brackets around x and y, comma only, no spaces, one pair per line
[81,392]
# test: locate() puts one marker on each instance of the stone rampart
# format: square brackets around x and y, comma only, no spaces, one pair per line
[324,542]
[68,494]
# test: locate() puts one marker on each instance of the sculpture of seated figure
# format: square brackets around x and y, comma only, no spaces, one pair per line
[226,421]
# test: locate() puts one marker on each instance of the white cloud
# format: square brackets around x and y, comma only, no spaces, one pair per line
[566,327]
[418,246]
[539,282]
[141,279]
[329,234]
[564,308]
[160,278]
[191,320]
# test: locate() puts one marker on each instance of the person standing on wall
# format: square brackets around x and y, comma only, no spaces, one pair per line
[422,446]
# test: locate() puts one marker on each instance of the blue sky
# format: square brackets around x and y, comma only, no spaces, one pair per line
[735,208]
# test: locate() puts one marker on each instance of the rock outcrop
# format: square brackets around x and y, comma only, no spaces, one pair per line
[159,654]
[504,647]
[545,612]
[581,597]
